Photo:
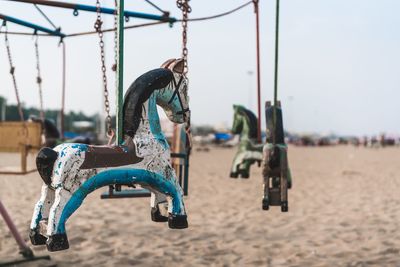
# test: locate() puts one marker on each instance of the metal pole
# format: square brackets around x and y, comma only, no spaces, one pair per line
[120,71]
[256,10]
[250,96]
[109,11]
[276,67]
[21,243]
[62,126]
[31,25]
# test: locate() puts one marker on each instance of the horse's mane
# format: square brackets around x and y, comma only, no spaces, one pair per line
[252,120]
[138,93]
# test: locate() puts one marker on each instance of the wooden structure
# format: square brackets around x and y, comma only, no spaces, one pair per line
[20,137]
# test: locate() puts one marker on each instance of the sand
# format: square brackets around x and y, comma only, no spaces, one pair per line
[344,210]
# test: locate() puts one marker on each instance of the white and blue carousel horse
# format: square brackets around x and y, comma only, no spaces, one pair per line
[71,171]
[249,152]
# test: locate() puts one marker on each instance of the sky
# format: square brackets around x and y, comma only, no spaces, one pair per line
[339,61]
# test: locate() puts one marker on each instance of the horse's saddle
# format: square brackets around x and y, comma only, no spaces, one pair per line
[110,156]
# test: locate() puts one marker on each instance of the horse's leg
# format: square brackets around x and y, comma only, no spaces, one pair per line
[289,177]
[266,172]
[41,213]
[265,201]
[235,164]
[284,180]
[68,198]
[158,203]
[177,218]
[244,169]
[58,239]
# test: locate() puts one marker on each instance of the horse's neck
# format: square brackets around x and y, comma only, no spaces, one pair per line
[245,134]
[150,123]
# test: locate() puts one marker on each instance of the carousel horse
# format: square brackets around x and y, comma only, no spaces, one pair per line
[276,172]
[245,124]
[71,171]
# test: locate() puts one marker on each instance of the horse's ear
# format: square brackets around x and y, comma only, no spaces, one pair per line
[178,66]
[167,63]
[237,107]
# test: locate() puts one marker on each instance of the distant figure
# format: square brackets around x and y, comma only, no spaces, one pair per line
[382,139]
[365,141]
[49,131]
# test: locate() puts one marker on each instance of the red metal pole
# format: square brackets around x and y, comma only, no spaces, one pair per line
[256,10]
[21,243]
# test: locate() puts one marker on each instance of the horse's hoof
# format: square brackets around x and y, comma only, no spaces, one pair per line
[36,238]
[284,206]
[234,175]
[156,216]
[57,242]
[244,174]
[265,204]
[177,221]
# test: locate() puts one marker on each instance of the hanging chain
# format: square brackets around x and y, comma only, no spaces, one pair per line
[12,72]
[39,78]
[186,9]
[114,67]
[97,26]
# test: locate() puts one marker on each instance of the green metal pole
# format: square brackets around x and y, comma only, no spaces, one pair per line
[276,68]
[120,72]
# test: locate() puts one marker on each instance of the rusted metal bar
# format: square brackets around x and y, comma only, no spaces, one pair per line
[256,10]
[18,238]
[25,251]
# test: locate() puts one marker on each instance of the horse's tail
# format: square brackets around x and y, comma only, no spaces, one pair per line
[45,163]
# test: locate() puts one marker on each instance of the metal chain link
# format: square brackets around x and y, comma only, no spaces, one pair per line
[39,78]
[186,9]
[98,28]
[114,67]
[12,72]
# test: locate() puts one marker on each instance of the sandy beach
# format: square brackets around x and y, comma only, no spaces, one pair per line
[344,210]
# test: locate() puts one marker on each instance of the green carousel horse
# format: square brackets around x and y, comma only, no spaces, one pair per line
[249,152]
